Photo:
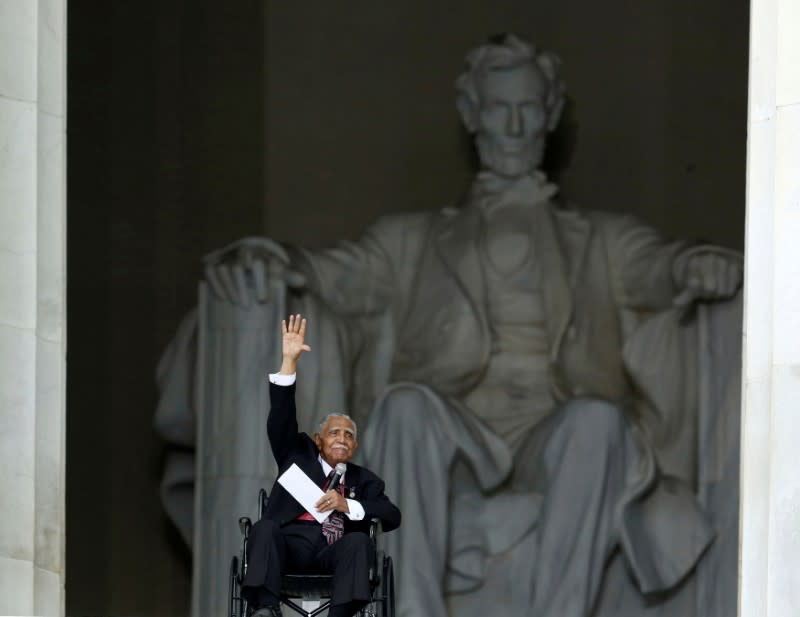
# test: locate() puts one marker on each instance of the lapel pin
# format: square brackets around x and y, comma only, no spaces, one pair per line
[352,494]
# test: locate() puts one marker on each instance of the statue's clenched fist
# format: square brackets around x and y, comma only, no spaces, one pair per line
[245,270]
[708,273]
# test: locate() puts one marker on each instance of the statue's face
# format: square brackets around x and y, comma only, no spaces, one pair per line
[512,120]
[337,440]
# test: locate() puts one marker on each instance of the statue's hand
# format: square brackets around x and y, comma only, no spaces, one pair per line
[708,273]
[245,269]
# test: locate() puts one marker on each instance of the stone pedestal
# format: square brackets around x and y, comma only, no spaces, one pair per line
[770,509]
[32,309]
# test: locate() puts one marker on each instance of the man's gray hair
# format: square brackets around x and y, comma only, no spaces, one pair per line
[324,421]
[508,51]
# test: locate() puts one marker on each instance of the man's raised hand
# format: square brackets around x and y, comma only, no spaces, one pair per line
[294,335]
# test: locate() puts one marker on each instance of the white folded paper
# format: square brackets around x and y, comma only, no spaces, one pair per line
[304,490]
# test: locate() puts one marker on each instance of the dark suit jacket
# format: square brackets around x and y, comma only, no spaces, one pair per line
[291,446]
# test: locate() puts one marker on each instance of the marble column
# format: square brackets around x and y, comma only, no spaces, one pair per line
[770,509]
[32,306]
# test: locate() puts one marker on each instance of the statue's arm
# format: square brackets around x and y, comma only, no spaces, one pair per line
[355,278]
[642,263]
[651,273]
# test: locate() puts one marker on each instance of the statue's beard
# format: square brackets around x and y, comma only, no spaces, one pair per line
[510,160]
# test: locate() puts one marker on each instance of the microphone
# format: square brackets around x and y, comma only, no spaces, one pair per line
[337,476]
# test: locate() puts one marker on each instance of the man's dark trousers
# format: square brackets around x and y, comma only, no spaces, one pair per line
[300,548]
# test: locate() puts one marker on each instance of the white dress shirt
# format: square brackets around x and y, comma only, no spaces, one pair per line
[356,512]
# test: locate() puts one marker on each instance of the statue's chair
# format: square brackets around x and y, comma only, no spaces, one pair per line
[314,586]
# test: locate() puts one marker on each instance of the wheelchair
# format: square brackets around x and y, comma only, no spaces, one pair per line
[313,586]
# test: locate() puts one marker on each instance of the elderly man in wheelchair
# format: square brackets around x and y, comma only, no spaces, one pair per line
[287,553]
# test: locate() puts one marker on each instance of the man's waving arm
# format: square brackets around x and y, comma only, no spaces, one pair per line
[282,421]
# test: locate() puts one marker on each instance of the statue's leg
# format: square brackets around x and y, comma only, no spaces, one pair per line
[411,440]
[584,452]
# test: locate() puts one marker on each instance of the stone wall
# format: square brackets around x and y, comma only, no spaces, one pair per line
[32,306]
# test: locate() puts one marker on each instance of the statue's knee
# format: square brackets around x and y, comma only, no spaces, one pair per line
[594,421]
[401,405]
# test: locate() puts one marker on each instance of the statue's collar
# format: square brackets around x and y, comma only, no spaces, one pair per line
[490,189]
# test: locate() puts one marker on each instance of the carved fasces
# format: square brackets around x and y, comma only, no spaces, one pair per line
[250,269]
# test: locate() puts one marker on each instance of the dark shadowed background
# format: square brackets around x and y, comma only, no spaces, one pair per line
[193,123]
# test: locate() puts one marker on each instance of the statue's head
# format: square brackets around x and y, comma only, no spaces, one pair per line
[510,96]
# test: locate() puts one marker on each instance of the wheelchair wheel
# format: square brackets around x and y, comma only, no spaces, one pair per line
[386,606]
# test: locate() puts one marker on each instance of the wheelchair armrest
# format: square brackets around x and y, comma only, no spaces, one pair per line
[375,529]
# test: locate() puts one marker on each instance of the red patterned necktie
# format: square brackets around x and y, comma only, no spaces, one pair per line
[333,526]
